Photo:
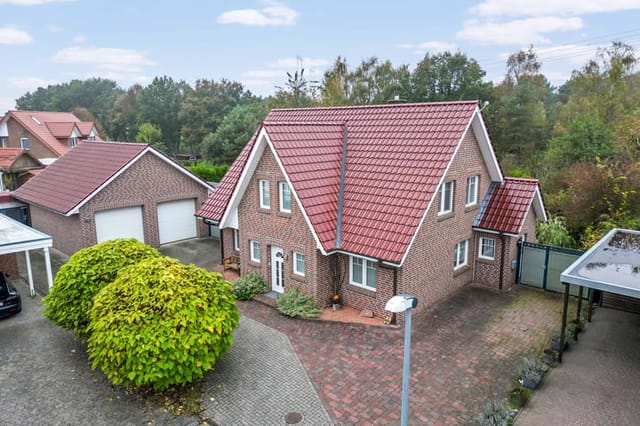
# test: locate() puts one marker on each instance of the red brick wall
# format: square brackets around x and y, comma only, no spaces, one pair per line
[271,227]
[147,182]
[36,148]
[428,270]
[9,264]
[487,272]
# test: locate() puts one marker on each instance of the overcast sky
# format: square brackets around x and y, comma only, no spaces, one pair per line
[256,42]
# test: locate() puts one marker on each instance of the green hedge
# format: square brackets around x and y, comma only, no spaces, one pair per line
[247,286]
[295,303]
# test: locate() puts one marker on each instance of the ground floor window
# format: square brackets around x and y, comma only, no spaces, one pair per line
[236,239]
[487,248]
[255,251]
[460,253]
[298,263]
[362,272]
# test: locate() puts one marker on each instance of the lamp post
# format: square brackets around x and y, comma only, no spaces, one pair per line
[397,304]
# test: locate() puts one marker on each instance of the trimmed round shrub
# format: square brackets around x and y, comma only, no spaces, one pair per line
[295,303]
[70,300]
[161,323]
[247,286]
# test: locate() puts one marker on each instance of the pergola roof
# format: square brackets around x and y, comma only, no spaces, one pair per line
[612,265]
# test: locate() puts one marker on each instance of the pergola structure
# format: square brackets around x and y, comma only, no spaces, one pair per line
[611,265]
[16,237]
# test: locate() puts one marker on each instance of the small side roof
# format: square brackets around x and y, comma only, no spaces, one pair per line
[77,176]
[505,207]
[8,157]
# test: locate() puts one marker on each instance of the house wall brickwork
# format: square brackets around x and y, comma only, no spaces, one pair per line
[149,181]
[9,264]
[428,272]
[36,148]
[270,227]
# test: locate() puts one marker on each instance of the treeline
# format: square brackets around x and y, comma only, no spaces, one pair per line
[582,139]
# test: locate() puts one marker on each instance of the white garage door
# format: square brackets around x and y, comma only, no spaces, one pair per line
[176,220]
[120,223]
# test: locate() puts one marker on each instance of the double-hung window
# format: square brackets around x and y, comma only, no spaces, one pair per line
[24,143]
[285,197]
[460,253]
[298,263]
[472,190]
[362,272]
[255,251]
[265,196]
[487,248]
[446,198]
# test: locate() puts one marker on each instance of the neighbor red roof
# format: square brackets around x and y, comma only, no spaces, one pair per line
[76,175]
[8,156]
[46,126]
[506,205]
[396,155]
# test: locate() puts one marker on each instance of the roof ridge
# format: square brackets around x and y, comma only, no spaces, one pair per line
[532,180]
[380,106]
[303,123]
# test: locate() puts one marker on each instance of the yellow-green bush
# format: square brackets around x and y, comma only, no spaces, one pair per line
[70,300]
[161,323]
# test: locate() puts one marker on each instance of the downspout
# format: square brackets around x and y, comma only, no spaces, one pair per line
[343,168]
[222,246]
[502,258]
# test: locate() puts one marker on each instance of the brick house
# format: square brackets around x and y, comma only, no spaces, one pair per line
[47,135]
[103,190]
[373,201]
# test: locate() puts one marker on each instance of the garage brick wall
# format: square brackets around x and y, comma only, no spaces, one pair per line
[428,270]
[147,182]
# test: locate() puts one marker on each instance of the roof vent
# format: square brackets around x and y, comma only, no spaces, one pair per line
[397,100]
[38,122]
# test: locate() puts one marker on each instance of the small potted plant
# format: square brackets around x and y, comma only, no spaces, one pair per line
[336,302]
[531,373]
[555,341]
[550,357]
[519,395]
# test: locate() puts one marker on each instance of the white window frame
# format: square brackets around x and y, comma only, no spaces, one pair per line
[296,257]
[367,265]
[73,142]
[284,186]
[255,246]
[472,194]
[461,250]
[448,186]
[23,142]
[265,194]
[236,239]
[481,246]
[5,141]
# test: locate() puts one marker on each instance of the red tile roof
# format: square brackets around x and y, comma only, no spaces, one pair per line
[8,156]
[77,174]
[41,123]
[506,205]
[396,156]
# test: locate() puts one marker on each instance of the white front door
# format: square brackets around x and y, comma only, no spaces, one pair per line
[277,269]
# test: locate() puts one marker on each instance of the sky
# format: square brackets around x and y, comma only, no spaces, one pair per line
[257,42]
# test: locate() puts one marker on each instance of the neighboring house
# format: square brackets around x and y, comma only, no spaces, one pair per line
[374,201]
[47,135]
[17,166]
[103,190]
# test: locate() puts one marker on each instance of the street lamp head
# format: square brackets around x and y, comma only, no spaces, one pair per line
[401,303]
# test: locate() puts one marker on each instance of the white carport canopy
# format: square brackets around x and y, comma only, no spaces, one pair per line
[16,237]
[611,265]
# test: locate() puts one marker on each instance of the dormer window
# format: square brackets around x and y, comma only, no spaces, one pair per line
[73,142]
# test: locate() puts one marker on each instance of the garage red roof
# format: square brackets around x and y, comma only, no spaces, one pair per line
[506,205]
[396,156]
[76,175]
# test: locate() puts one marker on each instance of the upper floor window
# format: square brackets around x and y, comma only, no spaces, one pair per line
[24,143]
[487,248]
[446,197]
[285,197]
[91,138]
[73,142]
[298,263]
[460,253]
[265,195]
[5,141]
[472,190]
[362,272]
[236,239]
[255,251]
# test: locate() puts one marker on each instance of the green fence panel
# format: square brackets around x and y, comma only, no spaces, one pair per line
[558,262]
[532,266]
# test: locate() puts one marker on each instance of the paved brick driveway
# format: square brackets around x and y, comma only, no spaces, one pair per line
[464,351]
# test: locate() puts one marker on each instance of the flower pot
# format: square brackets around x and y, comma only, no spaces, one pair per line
[530,383]
[550,357]
[555,345]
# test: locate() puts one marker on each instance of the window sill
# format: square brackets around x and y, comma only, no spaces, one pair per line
[486,260]
[461,270]
[299,278]
[283,214]
[471,207]
[254,263]
[371,292]
[446,216]
[263,210]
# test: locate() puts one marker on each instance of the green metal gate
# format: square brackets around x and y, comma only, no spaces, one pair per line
[540,265]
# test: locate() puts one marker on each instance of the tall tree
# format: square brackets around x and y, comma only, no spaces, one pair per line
[159,104]
[204,108]
[148,133]
[122,120]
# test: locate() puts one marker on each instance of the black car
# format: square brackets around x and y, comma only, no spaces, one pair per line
[10,301]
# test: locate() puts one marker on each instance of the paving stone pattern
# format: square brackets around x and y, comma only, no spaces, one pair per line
[259,381]
[464,352]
